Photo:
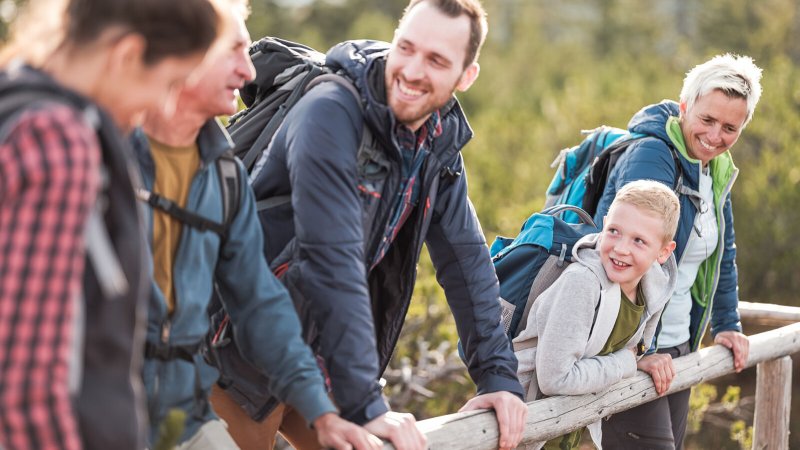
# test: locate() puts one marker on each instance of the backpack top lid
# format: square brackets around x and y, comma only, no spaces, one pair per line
[583,169]
[276,62]
[546,230]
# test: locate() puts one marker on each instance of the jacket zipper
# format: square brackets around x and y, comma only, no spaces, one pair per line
[717,264]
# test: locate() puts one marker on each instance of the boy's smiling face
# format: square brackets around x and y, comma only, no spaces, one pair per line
[631,241]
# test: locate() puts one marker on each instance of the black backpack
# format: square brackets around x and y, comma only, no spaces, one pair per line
[285,71]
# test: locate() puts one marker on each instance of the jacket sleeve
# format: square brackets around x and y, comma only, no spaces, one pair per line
[464,269]
[648,159]
[564,315]
[265,323]
[725,310]
[322,134]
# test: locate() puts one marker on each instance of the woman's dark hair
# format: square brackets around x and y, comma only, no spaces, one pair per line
[170,27]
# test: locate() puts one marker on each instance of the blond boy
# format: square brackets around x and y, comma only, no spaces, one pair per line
[590,324]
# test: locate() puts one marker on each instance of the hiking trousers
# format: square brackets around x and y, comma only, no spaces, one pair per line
[252,435]
[657,425]
[213,435]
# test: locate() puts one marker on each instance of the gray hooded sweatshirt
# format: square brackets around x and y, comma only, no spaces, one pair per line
[558,349]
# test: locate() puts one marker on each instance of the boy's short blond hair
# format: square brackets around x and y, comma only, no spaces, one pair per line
[654,198]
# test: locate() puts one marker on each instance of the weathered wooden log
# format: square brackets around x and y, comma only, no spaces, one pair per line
[773,403]
[555,416]
[767,314]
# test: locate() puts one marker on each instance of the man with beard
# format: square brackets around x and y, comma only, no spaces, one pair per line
[351,236]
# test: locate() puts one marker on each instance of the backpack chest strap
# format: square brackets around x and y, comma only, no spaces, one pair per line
[172,352]
[183,215]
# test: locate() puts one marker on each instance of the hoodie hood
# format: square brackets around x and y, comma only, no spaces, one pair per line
[657,284]
[652,119]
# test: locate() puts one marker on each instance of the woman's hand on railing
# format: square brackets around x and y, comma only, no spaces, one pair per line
[660,368]
[511,414]
[738,344]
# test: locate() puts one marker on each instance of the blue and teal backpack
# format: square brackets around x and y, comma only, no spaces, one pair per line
[583,169]
[529,263]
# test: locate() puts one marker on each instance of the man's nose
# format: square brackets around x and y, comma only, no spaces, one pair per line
[413,69]
[246,69]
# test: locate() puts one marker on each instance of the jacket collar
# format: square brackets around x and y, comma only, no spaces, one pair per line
[212,142]
[364,62]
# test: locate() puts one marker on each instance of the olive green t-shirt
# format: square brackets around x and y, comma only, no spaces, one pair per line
[628,320]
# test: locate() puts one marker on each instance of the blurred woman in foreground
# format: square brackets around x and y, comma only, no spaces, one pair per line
[76,74]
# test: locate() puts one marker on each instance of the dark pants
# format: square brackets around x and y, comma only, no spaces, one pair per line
[657,425]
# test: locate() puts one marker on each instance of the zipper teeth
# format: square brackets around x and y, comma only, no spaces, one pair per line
[718,262]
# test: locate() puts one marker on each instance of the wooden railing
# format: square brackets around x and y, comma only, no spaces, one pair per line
[558,415]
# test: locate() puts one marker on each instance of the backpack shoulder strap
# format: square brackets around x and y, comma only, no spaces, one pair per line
[230,185]
[341,80]
[99,247]
[552,268]
[14,101]
[180,213]
[366,134]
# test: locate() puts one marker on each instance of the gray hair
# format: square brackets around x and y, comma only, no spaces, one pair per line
[736,76]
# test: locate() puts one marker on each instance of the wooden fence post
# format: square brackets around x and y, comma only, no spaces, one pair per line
[773,402]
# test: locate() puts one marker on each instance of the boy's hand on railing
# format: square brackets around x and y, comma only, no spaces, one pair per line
[339,434]
[660,368]
[738,344]
[511,413]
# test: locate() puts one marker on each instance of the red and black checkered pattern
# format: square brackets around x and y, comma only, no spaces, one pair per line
[49,177]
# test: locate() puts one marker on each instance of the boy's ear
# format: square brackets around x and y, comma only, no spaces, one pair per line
[666,250]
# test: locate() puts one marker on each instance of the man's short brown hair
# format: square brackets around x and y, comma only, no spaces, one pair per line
[455,8]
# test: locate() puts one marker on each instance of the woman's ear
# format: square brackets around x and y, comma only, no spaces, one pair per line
[126,55]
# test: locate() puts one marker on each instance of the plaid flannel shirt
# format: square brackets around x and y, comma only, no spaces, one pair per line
[49,162]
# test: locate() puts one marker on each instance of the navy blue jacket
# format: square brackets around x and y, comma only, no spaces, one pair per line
[259,306]
[716,286]
[338,214]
